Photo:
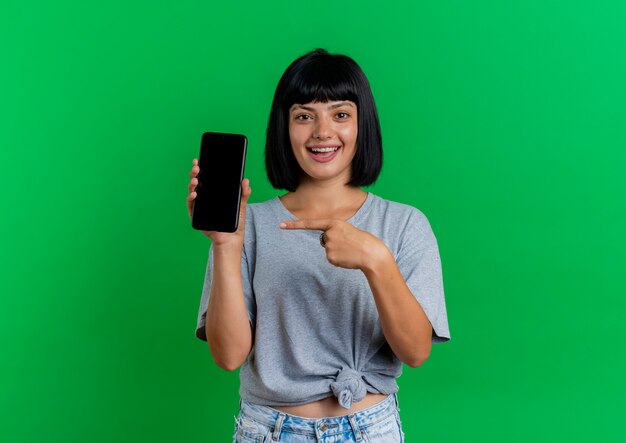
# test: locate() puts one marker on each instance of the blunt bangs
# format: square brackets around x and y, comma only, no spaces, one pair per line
[321,77]
[321,80]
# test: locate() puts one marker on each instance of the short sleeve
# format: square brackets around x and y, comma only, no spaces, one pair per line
[206,292]
[419,262]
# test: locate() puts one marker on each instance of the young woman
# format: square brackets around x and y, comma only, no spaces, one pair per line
[323,292]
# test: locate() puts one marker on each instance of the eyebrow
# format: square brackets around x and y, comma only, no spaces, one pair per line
[336,105]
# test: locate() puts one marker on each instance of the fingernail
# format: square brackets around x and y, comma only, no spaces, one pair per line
[283,225]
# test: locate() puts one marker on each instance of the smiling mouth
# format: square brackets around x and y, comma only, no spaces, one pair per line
[316,150]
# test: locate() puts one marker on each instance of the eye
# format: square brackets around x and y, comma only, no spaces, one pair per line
[343,115]
[303,117]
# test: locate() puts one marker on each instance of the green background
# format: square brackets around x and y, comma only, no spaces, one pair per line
[503,122]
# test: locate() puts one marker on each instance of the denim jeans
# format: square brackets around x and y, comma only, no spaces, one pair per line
[379,423]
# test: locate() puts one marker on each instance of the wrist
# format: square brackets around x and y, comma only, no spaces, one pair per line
[377,256]
[227,249]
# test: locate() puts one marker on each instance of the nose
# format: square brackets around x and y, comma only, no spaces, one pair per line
[323,129]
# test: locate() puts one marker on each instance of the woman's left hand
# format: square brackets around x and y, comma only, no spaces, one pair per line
[346,246]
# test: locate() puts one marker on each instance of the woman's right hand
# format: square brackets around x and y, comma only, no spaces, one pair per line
[221,238]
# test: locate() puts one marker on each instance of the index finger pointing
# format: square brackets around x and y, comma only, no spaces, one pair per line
[315,224]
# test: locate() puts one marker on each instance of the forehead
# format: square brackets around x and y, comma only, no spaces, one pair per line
[319,106]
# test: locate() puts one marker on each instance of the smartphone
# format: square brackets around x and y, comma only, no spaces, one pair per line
[218,193]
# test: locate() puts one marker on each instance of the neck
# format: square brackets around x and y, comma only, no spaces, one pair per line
[324,195]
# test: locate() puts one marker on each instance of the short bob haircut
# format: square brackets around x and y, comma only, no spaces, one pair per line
[319,76]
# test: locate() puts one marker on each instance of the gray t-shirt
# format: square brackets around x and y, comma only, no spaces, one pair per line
[317,331]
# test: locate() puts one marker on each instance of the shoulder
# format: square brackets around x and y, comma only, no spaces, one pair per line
[408,230]
[257,214]
[261,216]
[404,215]
[261,209]
[263,205]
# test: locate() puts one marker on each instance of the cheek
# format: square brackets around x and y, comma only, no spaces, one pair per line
[349,135]
[293,139]
[296,135]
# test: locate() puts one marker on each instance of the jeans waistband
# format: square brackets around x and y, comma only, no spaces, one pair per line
[279,421]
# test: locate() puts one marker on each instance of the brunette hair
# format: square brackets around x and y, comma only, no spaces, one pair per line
[319,76]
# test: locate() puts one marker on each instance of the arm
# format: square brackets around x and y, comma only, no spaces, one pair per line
[228,329]
[411,307]
[405,325]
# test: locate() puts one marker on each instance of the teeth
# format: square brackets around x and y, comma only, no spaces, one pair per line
[331,149]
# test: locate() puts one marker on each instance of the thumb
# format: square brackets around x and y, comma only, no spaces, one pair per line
[245,195]
[246,190]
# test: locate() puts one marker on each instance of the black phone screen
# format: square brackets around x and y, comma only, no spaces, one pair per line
[218,193]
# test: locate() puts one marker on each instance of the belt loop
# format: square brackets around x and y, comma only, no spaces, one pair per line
[355,427]
[395,396]
[278,426]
